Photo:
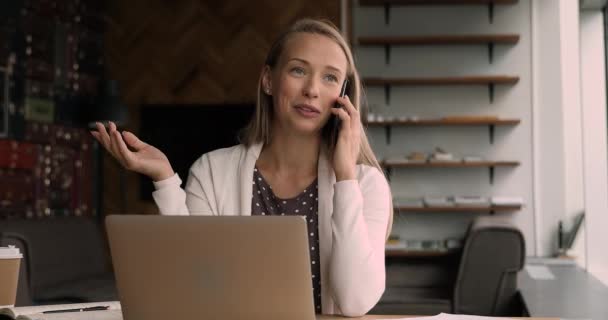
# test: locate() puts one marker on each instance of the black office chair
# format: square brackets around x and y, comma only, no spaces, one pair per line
[482,280]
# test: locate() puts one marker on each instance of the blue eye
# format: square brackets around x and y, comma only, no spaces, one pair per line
[297,70]
[331,78]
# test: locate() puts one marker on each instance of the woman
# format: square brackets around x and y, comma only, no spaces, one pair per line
[288,163]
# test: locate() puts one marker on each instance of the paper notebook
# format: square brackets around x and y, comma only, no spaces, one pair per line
[447,316]
[36,312]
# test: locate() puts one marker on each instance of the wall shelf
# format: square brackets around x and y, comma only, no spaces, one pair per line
[388,3]
[490,81]
[491,123]
[490,40]
[449,164]
[491,165]
[488,209]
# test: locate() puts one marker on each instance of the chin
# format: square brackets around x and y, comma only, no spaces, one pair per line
[307,128]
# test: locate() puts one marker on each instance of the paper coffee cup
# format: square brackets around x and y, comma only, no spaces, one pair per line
[10,259]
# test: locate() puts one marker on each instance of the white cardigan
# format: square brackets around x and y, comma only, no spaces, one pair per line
[353,219]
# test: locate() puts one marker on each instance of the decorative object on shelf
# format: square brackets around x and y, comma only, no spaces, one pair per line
[416,157]
[440,155]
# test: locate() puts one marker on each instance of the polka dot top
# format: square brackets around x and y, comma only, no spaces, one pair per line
[264,202]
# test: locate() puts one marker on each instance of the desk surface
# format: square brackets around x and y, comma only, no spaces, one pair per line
[573,293]
[373,317]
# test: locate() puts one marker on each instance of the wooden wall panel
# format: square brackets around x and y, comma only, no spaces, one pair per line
[190,52]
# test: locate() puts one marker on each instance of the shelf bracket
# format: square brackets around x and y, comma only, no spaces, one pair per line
[387,13]
[387,93]
[491,128]
[491,91]
[387,53]
[387,131]
[491,12]
[491,52]
[491,168]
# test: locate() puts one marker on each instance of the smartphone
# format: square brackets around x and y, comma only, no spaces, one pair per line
[335,119]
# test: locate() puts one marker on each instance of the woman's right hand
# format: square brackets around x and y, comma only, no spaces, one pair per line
[144,158]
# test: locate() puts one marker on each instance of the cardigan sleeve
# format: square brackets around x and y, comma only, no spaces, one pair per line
[359,226]
[171,199]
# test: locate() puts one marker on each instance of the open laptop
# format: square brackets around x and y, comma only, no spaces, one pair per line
[209,267]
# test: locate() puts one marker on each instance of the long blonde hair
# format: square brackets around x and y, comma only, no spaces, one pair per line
[259,128]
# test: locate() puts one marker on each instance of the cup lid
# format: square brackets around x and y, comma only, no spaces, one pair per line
[10,252]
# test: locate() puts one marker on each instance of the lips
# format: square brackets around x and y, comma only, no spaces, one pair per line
[307,107]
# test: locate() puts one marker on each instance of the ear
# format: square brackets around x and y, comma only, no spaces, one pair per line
[267,80]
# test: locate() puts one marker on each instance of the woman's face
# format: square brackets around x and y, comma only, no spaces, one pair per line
[306,82]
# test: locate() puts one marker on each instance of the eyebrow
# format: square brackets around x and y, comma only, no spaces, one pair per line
[308,63]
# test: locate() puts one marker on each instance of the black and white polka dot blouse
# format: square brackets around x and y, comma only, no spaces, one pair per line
[264,202]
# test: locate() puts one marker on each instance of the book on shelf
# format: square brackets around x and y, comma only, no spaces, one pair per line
[471,201]
[506,201]
[438,202]
[77,311]
[471,118]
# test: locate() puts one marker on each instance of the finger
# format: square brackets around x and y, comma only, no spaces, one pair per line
[348,105]
[103,136]
[133,141]
[125,154]
[114,137]
[95,135]
[345,119]
[350,108]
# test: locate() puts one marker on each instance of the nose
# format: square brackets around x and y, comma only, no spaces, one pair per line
[311,88]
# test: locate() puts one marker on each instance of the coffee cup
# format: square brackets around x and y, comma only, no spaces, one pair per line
[10,259]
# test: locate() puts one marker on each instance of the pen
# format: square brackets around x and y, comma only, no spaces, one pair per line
[98,308]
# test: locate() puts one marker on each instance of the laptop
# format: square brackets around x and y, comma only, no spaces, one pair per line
[211,267]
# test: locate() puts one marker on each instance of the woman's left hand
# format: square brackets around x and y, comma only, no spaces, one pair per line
[347,148]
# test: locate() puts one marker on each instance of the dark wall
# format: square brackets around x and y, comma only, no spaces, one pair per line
[190,52]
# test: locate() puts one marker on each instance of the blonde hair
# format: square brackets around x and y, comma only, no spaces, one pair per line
[259,129]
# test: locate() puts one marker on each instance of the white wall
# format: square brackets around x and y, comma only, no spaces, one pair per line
[511,143]
[593,79]
[549,164]
[557,127]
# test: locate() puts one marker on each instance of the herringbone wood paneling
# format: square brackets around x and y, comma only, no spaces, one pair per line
[190,52]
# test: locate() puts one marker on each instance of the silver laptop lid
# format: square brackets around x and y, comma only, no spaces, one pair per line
[209,267]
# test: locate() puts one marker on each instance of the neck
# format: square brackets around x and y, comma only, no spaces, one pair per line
[291,155]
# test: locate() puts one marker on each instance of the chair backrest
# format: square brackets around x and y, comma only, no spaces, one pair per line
[493,254]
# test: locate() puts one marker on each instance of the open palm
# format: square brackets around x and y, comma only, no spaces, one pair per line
[132,153]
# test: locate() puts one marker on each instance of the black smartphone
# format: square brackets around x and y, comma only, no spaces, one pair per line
[335,125]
